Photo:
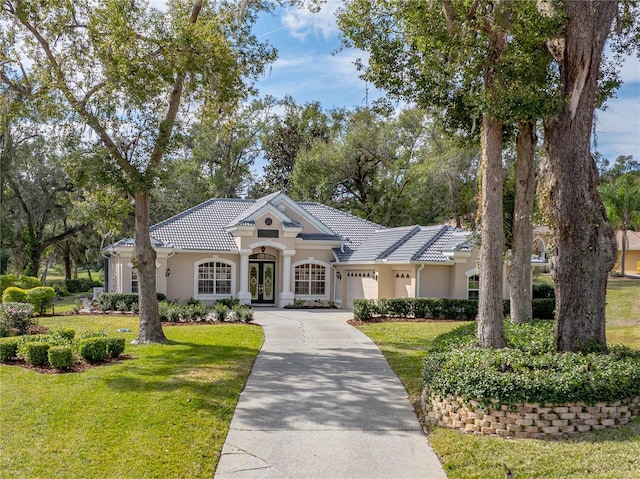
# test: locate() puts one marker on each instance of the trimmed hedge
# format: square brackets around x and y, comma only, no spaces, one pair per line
[8,349]
[93,349]
[60,357]
[543,290]
[436,308]
[14,294]
[528,370]
[22,282]
[36,353]
[115,347]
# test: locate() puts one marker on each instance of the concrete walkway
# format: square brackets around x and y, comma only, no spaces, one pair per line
[322,402]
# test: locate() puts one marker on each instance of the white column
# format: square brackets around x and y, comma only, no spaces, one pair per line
[286,295]
[243,294]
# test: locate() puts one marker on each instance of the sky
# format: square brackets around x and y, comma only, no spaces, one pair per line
[309,69]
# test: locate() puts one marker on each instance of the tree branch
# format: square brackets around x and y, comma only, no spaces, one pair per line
[57,238]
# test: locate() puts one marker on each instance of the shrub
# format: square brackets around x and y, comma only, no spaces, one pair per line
[401,307]
[13,294]
[59,286]
[121,301]
[60,357]
[65,334]
[41,297]
[15,317]
[115,347]
[93,349]
[244,313]
[28,282]
[7,280]
[81,285]
[35,353]
[229,302]
[364,309]
[528,370]
[169,311]
[543,290]
[221,311]
[8,349]
[543,308]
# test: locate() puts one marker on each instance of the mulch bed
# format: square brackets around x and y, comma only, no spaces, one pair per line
[78,366]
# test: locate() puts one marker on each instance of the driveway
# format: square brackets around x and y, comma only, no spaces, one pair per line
[322,402]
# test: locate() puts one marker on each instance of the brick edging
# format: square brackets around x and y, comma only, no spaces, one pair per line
[530,420]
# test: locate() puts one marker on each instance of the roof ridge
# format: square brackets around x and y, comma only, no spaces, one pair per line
[431,242]
[197,207]
[346,213]
[412,232]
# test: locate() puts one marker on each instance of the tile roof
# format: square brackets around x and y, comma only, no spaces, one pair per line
[205,228]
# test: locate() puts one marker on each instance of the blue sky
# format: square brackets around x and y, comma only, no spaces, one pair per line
[307,70]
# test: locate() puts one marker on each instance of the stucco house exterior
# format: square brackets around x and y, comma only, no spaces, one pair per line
[273,250]
[631,255]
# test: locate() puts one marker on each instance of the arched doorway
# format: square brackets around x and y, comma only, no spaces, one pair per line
[262,278]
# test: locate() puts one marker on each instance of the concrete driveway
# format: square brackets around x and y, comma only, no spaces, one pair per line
[322,402]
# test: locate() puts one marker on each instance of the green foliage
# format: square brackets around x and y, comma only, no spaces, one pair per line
[93,349]
[115,347]
[59,286]
[15,318]
[64,334]
[60,357]
[120,301]
[244,313]
[529,370]
[433,308]
[8,349]
[36,353]
[542,290]
[364,309]
[14,294]
[229,302]
[221,311]
[183,313]
[7,280]
[543,308]
[41,298]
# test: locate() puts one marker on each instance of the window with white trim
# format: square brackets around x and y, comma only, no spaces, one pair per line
[214,278]
[310,279]
[473,287]
[134,280]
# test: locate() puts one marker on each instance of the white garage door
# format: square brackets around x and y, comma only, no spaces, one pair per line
[360,285]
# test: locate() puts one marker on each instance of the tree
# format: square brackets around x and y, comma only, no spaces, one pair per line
[584,240]
[123,70]
[622,202]
[458,56]
[284,137]
[37,197]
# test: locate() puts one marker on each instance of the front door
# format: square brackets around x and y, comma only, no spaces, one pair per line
[261,281]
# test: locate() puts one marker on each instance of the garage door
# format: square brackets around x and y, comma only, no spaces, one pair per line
[360,285]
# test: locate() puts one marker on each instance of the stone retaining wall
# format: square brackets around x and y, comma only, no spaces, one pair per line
[534,421]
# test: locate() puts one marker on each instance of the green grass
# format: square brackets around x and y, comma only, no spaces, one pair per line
[164,413]
[606,454]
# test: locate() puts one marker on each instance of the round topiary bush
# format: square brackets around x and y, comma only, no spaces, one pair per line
[115,347]
[93,349]
[60,357]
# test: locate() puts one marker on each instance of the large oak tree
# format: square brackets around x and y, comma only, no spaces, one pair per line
[121,71]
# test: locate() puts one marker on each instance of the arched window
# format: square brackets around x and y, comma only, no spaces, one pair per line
[310,279]
[473,287]
[213,278]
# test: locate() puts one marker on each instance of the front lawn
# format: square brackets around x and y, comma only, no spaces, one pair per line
[163,413]
[607,454]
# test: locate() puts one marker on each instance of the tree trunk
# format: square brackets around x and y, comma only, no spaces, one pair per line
[490,306]
[66,256]
[522,235]
[623,254]
[585,242]
[145,262]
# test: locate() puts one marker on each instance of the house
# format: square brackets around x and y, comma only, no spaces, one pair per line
[273,250]
[632,253]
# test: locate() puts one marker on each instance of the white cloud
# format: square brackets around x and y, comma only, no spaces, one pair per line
[301,23]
